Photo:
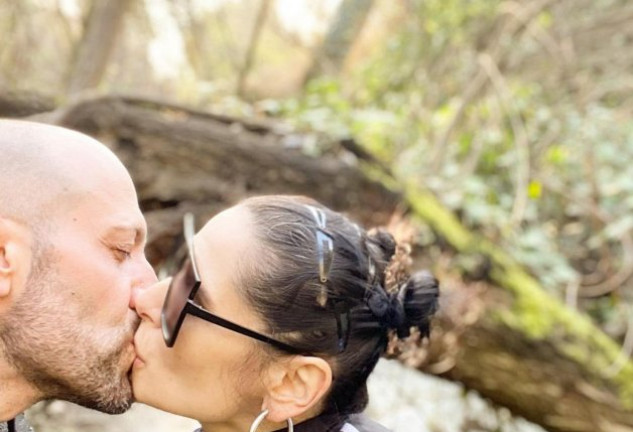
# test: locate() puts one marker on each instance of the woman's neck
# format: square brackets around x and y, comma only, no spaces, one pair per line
[243,423]
[240,426]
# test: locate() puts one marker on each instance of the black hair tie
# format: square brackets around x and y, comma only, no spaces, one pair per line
[388,310]
[378,303]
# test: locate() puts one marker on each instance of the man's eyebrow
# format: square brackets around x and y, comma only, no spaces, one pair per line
[138,231]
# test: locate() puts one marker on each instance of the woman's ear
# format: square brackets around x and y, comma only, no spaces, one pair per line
[296,386]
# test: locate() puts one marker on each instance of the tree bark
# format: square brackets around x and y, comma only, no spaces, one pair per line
[102,29]
[506,337]
[23,104]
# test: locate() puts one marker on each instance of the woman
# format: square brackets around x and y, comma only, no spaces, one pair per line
[275,320]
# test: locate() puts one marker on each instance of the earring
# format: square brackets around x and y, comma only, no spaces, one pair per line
[260,418]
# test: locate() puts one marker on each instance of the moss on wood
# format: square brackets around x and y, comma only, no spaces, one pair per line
[534,313]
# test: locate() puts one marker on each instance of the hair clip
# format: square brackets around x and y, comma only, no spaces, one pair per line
[325,244]
[341,311]
[319,216]
[325,250]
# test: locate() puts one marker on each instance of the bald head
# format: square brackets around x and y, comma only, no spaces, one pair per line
[44,169]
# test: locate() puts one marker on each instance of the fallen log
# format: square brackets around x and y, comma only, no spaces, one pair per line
[183,159]
[519,346]
[22,104]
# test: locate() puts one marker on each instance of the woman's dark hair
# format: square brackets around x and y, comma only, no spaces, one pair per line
[285,288]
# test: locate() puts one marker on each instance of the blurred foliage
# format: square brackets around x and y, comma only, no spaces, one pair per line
[517,130]
[515,114]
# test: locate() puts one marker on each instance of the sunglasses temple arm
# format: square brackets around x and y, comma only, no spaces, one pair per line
[196,310]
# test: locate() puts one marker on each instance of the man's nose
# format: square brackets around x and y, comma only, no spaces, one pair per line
[145,278]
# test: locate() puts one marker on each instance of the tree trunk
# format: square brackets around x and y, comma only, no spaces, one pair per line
[506,338]
[345,28]
[252,47]
[102,29]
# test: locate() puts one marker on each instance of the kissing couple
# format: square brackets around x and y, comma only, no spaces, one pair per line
[276,312]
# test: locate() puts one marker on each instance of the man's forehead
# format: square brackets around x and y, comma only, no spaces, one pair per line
[106,212]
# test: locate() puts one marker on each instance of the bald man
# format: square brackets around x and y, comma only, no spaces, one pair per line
[72,241]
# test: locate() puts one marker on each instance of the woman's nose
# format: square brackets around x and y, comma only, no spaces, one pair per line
[148,302]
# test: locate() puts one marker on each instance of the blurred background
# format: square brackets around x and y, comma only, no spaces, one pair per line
[495,137]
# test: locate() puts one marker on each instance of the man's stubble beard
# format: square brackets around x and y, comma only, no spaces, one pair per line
[61,357]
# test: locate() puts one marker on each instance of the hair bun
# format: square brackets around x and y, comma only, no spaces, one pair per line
[419,297]
[385,242]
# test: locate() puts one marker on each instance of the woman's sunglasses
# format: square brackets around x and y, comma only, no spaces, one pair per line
[180,300]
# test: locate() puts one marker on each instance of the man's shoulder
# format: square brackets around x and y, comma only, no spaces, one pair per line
[20,425]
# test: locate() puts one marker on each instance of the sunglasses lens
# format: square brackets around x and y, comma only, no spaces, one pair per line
[173,308]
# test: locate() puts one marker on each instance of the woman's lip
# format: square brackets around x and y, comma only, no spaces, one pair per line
[138,355]
[138,362]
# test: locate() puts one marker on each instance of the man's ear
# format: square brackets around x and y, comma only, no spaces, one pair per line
[15,255]
[296,386]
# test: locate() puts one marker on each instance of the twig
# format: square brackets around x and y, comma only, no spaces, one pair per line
[616,281]
[625,272]
[520,134]
[476,86]
[515,18]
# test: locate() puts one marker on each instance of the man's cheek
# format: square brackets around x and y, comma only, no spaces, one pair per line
[108,297]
